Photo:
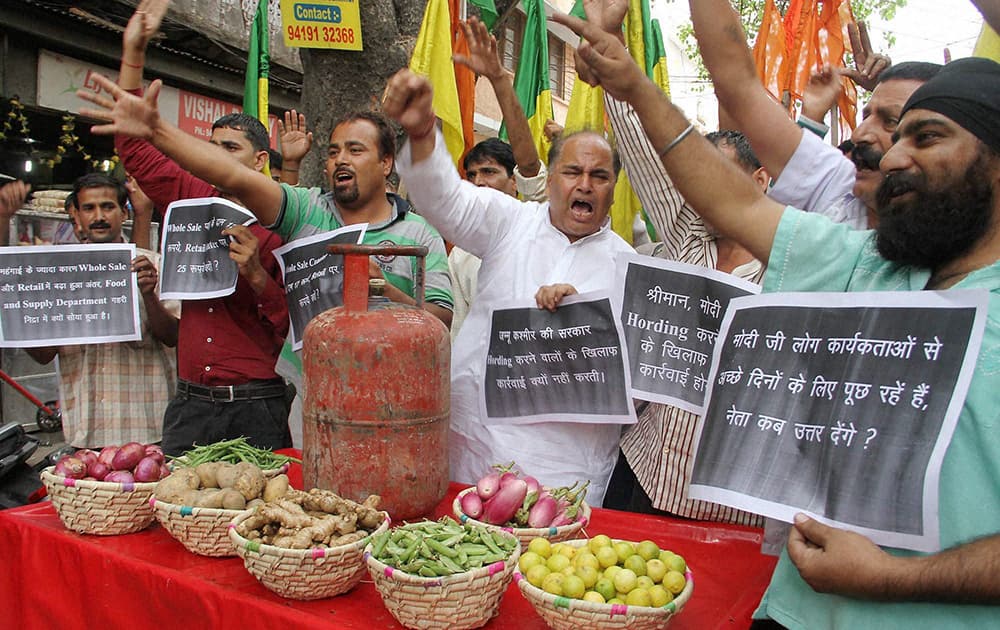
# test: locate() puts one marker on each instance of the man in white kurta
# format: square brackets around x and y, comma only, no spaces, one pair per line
[529,250]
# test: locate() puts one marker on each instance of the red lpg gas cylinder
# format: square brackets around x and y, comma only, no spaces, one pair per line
[376,376]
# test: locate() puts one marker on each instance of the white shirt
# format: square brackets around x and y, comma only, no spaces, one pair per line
[819,178]
[464,267]
[521,251]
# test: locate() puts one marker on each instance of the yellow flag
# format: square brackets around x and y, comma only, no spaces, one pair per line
[586,108]
[988,44]
[432,59]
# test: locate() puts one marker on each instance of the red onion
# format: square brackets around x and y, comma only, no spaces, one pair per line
[154,451]
[148,469]
[119,476]
[128,456]
[502,507]
[164,471]
[488,485]
[86,456]
[70,466]
[543,512]
[98,470]
[107,455]
[472,505]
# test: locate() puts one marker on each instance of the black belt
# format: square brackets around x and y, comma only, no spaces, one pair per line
[257,390]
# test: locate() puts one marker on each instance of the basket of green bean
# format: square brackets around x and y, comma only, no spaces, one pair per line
[442,574]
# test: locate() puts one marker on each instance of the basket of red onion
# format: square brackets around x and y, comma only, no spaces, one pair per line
[106,493]
[519,504]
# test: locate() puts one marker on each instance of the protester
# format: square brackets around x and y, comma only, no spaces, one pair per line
[513,168]
[830,577]
[113,393]
[547,251]
[809,174]
[226,347]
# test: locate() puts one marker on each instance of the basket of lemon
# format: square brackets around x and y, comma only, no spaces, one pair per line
[603,583]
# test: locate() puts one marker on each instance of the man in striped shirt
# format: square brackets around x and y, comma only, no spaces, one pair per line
[653,470]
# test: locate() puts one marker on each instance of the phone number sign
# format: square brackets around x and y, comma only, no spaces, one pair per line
[322,24]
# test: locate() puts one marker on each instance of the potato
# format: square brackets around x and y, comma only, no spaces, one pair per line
[190,497]
[254,503]
[276,488]
[188,476]
[233,499]
[172,487]
[249,480]
[206,472]
[210,498]
[225,474]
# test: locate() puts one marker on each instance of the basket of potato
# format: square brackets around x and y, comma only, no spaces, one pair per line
[197,504]
[307,545]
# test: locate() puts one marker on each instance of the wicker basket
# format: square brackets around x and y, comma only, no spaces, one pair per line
[526,534]
[563,613]
[204,531]
[303,573]
[99,507]
[456,602]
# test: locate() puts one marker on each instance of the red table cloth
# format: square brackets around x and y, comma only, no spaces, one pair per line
[52,577]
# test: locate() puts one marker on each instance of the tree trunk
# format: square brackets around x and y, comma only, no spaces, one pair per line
[336,82]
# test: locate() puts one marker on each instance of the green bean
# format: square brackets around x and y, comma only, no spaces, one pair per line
[441,549]
[488,540]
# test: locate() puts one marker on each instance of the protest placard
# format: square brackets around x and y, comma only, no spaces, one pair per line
[567,365]
[670,313]
[68,295]
[314,278]
[841,405]
[196,263]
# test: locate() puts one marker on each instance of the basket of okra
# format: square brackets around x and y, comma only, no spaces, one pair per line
[442,574]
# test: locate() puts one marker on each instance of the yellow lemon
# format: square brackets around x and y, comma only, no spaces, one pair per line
[553,583]
[674,582]
[593,596]
[537,574]
[660,596]
[541,546]
[557,562]
[527,560]
[639,597]
[573,587]
[597,542]
[647,549]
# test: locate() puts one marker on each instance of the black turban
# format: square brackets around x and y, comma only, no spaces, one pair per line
[968,92]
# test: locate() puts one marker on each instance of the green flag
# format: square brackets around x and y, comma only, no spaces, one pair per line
[258,66]
[487,12]
[531,81]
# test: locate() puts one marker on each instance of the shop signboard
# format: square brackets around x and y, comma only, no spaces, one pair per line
[334,24]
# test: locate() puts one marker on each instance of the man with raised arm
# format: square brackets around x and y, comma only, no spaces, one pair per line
[829,577]
[513,168]
[543,250]
[226,347]
[809,174]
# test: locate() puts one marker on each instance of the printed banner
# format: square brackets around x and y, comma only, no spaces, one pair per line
[840,405]
[68,295]
[567,365]
[322,24]
[671,313]
[314,278]
[196,263]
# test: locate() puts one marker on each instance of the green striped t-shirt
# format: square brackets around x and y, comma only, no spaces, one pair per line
[308,211]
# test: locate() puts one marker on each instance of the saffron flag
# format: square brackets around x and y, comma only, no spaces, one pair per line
[432,58]
[465,78]
[531,81]
[769,50]
[258,69]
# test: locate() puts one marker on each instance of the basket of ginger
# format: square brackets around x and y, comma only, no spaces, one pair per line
[307,545]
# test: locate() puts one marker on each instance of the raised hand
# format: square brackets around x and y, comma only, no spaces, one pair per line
[608,14]
[408,99]
[12,197]
[483,58]
[296,140]
[143,24]
[822,91]
[602,58]
[868,64]
[126,114]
